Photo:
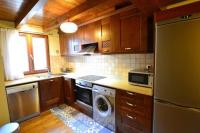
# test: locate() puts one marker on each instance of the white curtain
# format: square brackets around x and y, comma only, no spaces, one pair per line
[9,44]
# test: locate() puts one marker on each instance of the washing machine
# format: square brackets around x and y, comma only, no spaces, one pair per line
[104,106]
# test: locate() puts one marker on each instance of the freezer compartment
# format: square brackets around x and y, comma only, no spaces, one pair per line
[23,101]
[169,118]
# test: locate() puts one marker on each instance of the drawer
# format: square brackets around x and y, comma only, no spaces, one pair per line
[127,129]
[135,98]
[130,106]
[132,102]
[131,95]
[51,80]
[132,120]
[127,94]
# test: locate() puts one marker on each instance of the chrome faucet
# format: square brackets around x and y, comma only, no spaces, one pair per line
[49,72]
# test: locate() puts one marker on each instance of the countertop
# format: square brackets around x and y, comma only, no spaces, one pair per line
[109,81]
[123,84]
[29,79]
[117,83]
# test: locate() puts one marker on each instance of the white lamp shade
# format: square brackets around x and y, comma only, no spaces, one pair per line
[68,27]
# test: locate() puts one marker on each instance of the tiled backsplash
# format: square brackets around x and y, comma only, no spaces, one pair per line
[117,65]
[57,62]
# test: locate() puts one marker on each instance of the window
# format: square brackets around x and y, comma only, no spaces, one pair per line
[36,53]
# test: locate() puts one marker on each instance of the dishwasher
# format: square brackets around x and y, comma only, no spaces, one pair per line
[23,101]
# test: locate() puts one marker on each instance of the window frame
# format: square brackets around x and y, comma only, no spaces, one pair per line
[28,37]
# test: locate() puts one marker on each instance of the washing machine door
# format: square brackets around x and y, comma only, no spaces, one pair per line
[102,106]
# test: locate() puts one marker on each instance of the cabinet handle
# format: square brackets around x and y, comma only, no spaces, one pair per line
[130,104]
[51,80]
[129,93]
[105,51]
[128,48]
[131,117]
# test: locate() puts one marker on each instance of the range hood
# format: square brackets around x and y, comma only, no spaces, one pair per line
[88,49]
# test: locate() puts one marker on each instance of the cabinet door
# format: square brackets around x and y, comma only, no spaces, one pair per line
[105,36]
[110,34]
[133,32]
[76,41]
[71,43]
[130,33]
[69,90]
[66,44]
[63,47]
[50,93]
[91,33]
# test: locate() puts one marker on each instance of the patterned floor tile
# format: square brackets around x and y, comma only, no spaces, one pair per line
[77,121]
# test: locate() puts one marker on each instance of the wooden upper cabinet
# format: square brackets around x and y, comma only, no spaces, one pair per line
[110,35]
[91,33]
[70,43]
[127,32]
[130,33]
[133,32]
[63,44]
[105,36]
[76,41]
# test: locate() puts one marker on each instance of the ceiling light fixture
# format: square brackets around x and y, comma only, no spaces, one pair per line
[68,27]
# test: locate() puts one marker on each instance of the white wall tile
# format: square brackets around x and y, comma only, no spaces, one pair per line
[118,64]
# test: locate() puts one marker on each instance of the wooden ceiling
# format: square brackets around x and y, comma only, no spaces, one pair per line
[53,9]
[9,9]
[51,13]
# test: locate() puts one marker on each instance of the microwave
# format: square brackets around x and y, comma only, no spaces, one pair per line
[140,78]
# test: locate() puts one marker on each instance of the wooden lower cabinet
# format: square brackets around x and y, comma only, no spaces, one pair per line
[51,93]
[69,85]
[133,112]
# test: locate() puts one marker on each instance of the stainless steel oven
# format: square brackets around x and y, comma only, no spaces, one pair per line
[83,91]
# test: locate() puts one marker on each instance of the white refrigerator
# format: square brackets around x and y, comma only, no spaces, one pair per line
[177,76]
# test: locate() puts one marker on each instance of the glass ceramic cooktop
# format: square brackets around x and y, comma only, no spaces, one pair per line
[91,77]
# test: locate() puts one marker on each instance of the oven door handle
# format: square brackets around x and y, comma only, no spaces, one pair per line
[84,87]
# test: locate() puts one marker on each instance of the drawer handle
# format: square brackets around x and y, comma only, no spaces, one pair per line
[130,104]
[132,94]
[105,51]
[51,80]
[127,48]
[130,117]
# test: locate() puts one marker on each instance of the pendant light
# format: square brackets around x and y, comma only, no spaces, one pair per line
[68,27]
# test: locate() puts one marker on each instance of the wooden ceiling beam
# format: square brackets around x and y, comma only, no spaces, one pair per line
[28,11]
[148,7]
[114,12]
[73,12]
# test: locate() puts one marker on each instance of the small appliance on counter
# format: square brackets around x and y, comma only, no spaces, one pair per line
[141,77]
